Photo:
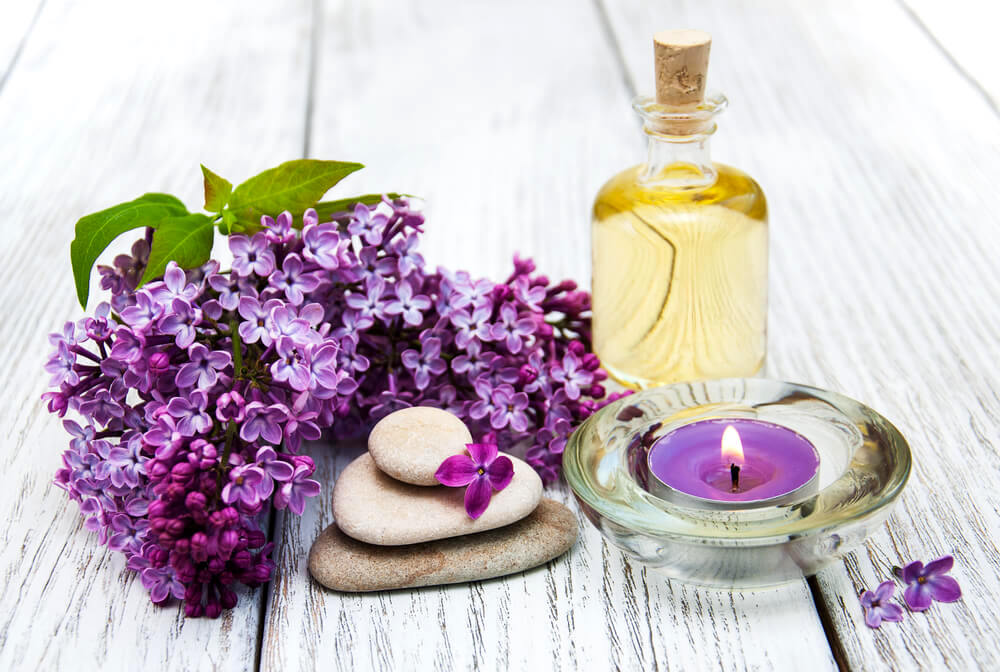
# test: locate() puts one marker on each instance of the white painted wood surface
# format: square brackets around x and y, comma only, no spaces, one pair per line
[880,160]
[880,163]
[109,100]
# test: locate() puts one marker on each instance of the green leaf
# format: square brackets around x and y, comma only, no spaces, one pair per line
[96,231]
[186,240]
[217,190]
[294,185]
[326,209]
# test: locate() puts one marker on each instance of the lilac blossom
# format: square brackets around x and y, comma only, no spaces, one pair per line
[482,470]
[293,281]
[186,429]
[425,363]
[878,607]
[203,369]
[408,305]
[368,224]
[926,584]
[294,491]
[181,322]
[246,485]
[251,255]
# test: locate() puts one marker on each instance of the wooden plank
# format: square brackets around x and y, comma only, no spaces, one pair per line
[109,100]
[883,275]
[506,117]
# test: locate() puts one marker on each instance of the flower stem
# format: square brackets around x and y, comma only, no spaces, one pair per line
[234,334]
[224,460]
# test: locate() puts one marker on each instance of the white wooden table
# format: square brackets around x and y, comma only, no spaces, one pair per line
[872,124]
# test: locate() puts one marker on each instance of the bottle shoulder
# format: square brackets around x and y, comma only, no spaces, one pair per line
[732,188]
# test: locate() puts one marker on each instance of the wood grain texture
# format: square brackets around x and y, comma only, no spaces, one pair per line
[883,275]
[507,126]
[108,100]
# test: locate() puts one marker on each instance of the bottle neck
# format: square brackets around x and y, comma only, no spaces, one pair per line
[678,155]
[678,161]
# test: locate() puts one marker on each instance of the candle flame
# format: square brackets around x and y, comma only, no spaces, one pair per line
[732,447]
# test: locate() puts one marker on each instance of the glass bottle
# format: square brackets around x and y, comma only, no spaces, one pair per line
[680,248]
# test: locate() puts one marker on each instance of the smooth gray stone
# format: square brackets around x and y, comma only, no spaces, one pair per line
[345,564]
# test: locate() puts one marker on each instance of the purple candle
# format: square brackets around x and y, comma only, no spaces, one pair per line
[737,460]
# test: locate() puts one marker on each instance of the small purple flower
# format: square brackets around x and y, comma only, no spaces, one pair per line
[293,493]
[325,379]
[61,366]
[877,606]
[571,373]
[925,584]
[126,464]
[472,326]
[372,265]
[164,436]
[368,224]
[469,292]
[273,468]
[293,281]
[102,407]
[425,363]
[407,258]
[531,296]
[181,321]
[279,231]
[408,305]
[144,312]
[230,406]
[229,298]
[251,255]
[190,413]
[174,285]
[256,315]
[370,305]
[128,533]
[162,583]
[203,369]
[289,367]
[324,246]
[511,330]
[483,470]
[509,409]
[283,321]
[262,421]
[245,485]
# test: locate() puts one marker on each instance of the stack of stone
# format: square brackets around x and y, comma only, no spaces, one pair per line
[396,527]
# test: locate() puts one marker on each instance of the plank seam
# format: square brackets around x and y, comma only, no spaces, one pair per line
[966,75]
[616,48]
[314,35]
[20,47]
[829,629]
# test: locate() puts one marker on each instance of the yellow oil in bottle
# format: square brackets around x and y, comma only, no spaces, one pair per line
[679,275]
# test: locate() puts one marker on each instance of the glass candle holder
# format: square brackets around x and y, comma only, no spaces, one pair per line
[864,463]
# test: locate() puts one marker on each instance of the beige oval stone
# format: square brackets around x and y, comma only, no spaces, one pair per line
[372,507]
[410,444]
[345,564]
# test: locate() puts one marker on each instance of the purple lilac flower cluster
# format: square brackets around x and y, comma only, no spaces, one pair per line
[195,392]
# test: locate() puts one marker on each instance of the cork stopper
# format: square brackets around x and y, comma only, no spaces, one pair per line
[681,67]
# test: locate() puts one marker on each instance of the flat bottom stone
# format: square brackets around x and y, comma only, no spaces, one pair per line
[345,564]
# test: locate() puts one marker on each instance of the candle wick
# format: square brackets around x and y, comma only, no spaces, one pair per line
[734,473]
